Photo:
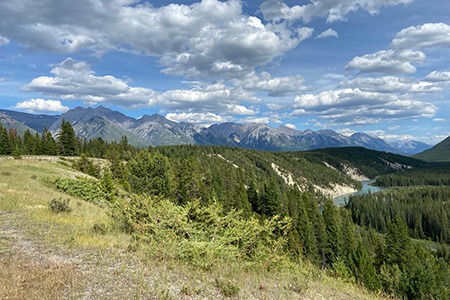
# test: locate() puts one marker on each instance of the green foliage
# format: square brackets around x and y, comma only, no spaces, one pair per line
[435,175]
[86,165]
[67,140]
[150,173]
[59,206]
[205,236]
[371,163]
[81,187]
[438,153]
[425,210]
[228,288]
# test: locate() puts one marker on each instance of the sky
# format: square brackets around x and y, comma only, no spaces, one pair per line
[375,66]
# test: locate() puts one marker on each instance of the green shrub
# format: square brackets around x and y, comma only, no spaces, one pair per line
[204,236]
[6,173]
[81,187]
[34,177]
[100,228]
[59,206]
[227,287]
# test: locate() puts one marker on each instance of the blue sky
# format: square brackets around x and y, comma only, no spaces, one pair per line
[378,66]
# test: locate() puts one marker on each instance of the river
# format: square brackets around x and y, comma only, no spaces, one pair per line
[338,201]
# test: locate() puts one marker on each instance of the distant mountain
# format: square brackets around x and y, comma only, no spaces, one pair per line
[440,152]
[9,123]
[36,122]
[100,122]
[411,147]
[156,130]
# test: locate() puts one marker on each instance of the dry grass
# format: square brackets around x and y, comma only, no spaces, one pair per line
[21,278]
[58,256]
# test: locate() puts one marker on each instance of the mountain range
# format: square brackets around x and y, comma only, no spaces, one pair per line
[156,130]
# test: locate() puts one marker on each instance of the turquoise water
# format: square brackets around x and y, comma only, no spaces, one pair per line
[365,190]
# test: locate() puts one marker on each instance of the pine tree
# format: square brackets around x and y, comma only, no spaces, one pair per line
[67,141]
[150,173]
[399,248]
[333,229]
[271,199]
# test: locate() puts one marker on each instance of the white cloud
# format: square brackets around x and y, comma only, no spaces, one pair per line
[275,86]
[387,62]
[346,131]
[292,126]
[328,33]
[3,41]
[197,118]
[438,77]
[333,10]
[260,120]
[41,106]
[423,36]
[74,80]
[391,84]
[207,38]
[394,127]
[351,107]
[439,120]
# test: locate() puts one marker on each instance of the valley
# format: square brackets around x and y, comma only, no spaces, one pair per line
[267,216]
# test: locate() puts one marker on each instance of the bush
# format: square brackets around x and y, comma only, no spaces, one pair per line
[99,228]
[6,173]
[81,187]
[227,287]
[59,206]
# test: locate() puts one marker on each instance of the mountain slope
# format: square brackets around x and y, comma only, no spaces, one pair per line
[367,162]
[156,130]
[36,122]
[440,152]
[9,123]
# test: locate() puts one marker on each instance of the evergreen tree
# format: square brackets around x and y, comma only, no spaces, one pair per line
[271,199]
[150,173]
[67,140]
[333,229]
[399,248]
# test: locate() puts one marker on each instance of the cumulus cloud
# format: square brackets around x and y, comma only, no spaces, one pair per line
[438,77]
[328,33]
[209,98]
[260,120]
[3,41]
[423,36]
[275,86]
[198,118]
[41,106]
[346,131]
[391,84]
[333,10]
[350,107]
[291,126]
[387,62]
[75,80]
[207,38]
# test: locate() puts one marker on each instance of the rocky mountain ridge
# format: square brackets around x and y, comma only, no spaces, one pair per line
[156,130]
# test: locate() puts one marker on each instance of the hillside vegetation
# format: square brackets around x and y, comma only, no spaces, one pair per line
[439,153]
[84,254]
[255,213]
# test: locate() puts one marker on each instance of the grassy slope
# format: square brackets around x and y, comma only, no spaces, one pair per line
[48,256]
[440,152]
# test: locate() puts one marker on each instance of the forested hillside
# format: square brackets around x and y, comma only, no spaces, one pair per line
[439,153]
[253,208]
